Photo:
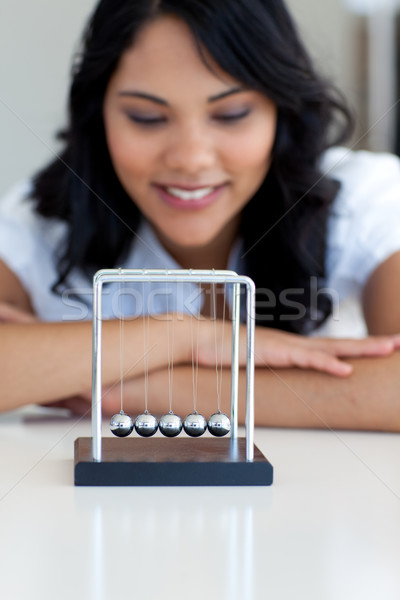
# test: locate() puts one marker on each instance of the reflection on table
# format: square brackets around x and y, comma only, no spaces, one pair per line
[328,528]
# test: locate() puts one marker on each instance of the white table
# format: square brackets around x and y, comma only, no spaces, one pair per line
[329,527]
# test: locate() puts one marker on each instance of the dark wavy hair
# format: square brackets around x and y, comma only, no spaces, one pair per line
[284,225]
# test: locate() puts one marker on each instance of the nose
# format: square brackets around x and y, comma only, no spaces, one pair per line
[190,149]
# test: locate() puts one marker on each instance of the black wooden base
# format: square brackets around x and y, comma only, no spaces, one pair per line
[163,461]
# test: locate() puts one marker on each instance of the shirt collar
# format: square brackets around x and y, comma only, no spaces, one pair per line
[147,252]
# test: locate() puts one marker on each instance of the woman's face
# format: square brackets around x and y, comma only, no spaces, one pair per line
[189,145]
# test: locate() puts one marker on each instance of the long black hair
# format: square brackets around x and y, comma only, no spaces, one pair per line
[284,225]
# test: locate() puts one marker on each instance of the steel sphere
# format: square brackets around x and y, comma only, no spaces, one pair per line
[170,425]
[219,424]
[121,424]
[195,424]
[146,424]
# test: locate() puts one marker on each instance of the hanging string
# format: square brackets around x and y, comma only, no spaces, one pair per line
[170,351]
[214,313]
[214,316]
[222,346]
[195,361]
[145,353]
[121,343]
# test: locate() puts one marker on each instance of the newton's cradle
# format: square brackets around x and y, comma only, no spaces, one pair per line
[173,458]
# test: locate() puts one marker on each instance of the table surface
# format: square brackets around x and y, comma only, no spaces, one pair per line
[328,528]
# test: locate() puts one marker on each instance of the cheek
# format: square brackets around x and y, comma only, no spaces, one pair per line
[129,154]
[125,156]
[252,153]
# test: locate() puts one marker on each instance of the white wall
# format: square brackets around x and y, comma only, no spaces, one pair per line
[360,55]
[38,38]
[328,30]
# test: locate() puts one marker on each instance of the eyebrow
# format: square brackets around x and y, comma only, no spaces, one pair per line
[230,92]
[157,100]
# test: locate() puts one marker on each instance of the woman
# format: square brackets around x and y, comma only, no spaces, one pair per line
[197,139]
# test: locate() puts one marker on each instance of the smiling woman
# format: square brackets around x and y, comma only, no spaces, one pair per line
[190,146]
[200,136]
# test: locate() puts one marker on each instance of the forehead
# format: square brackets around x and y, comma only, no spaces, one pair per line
[165,52]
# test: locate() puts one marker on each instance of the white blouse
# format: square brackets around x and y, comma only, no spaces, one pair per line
[363,231]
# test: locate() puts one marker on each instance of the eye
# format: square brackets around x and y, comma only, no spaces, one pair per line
[232,117]
[146,120]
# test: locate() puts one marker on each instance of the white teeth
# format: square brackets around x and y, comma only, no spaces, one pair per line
[189,194]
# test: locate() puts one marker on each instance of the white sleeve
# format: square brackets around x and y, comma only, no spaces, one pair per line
[16,235]
[27,240]
[364,229]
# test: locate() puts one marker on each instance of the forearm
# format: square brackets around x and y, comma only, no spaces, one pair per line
[369,399]
[42,362]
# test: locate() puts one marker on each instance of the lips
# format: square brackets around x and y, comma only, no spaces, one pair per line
[189,197]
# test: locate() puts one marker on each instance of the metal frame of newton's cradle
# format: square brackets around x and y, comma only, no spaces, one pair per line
[181,461]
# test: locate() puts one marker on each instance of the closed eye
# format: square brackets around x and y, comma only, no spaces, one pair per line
[146,120]
[232,117]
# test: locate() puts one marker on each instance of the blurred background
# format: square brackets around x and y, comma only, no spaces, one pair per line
[354,42]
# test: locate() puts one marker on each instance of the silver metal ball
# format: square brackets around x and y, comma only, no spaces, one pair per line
[219,424]
[146,424]
[195,424]
[121,424]
[170,425]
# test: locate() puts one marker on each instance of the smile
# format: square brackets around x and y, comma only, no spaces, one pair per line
[189,195]
[185,198]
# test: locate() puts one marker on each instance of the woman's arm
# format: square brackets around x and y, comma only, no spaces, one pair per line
[290,397]
[381,298]
[43,362]
[369,399]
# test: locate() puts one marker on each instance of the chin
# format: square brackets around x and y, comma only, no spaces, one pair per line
[184,237]
[193,243]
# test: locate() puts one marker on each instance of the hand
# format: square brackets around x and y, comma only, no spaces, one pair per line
[280,349]
[274,348]
[81,405]
[12,314]
[78,405]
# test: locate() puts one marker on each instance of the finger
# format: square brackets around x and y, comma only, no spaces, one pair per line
[370,346]
[396,341]
[283,355]
[321,361]
[76,404]
[11,314]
